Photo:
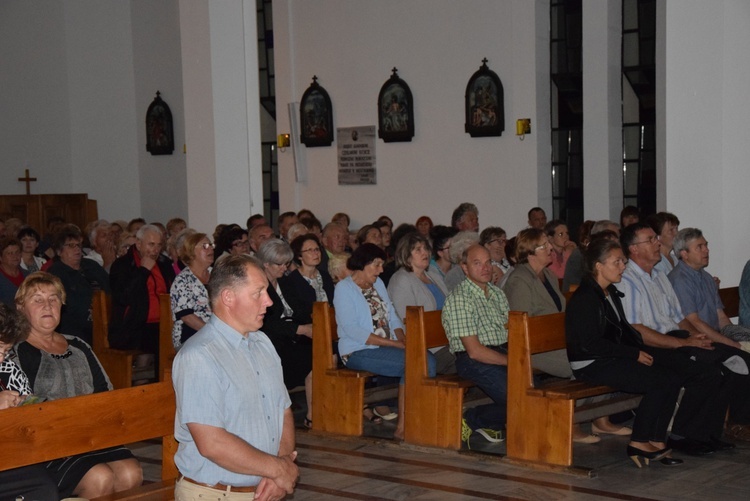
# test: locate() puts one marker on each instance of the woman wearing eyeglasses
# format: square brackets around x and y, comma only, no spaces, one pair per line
[532,287]
[562,247]
[290,334]
[189,297]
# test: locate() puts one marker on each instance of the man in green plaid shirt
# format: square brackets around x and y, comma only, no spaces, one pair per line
[474,318]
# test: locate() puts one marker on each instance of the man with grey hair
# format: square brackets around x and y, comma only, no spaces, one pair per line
[234,422]
[466,217]
[698,293]
[136,280]
[103,250]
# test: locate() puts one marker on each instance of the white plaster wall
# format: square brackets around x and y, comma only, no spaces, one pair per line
[157,65]
[707,148]
[436,45]
[101,94]
[34,107]
[602,109]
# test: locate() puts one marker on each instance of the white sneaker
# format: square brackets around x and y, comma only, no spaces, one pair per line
[490,435]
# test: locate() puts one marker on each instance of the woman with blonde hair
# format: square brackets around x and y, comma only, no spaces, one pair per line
[191,308]
[64,366]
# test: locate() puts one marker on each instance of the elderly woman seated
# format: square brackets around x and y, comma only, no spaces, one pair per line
[189,297]
[459,243]
[29,482]
[290,334]
[493,239]
[371,335]
[63,366]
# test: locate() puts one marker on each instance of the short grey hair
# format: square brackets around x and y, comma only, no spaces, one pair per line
[101,223]
[603,224]
[461,211]
[275,251]
[147,228]
[230,272]
[683,239]
[462,241]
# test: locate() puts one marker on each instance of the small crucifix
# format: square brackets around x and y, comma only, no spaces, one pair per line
[28,181]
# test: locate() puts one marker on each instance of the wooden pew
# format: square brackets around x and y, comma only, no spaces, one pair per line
[433,406]
[338,393]
[118,364]
[166,346]
[730,296]
[51,430]
[541,418]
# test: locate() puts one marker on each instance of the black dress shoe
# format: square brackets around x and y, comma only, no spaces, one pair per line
[691,447]
[721,445]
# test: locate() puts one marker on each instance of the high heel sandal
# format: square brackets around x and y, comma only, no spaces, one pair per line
[637,454]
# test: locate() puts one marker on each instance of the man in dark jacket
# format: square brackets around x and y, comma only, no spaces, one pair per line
[137,279]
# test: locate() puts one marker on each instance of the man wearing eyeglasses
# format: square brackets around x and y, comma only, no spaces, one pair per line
[137,280]
[80,277]
[652,307]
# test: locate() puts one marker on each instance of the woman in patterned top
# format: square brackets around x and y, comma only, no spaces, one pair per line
[371,335]
[63,366]
[29,482]
[189,297]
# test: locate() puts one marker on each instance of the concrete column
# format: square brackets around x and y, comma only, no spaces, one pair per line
[602,109]
[222,112]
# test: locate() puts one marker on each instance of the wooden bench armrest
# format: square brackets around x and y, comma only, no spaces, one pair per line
[571,390]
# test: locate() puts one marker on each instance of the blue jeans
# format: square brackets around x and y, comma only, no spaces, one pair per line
[385,361]
[491,379]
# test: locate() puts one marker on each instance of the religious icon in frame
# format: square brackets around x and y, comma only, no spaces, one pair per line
[395,110]
[316,116]
[485,109]
[159,127]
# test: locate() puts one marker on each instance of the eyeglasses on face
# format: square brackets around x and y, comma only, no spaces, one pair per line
[207,245]
[238,243]
[649,240]
[313,250]
[543,246]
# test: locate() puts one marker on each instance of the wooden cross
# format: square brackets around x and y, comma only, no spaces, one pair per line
[28,181]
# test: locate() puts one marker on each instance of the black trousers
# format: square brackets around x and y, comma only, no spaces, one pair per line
[736,387]
[659,386]
[31,482]
[707,392]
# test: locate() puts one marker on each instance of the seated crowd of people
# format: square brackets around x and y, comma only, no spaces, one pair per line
[642,316]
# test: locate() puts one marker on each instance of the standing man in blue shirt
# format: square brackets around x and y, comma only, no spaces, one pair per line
[233,421]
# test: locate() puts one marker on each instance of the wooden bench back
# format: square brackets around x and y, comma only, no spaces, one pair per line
[51,430]
[730,296]
[324,335]
[528,336]
[101,308]
[427,327]
[166,346]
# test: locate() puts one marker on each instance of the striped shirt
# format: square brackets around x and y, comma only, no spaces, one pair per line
[649,300]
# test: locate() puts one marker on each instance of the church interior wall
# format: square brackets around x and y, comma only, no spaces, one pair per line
[436,46]
[706,140]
